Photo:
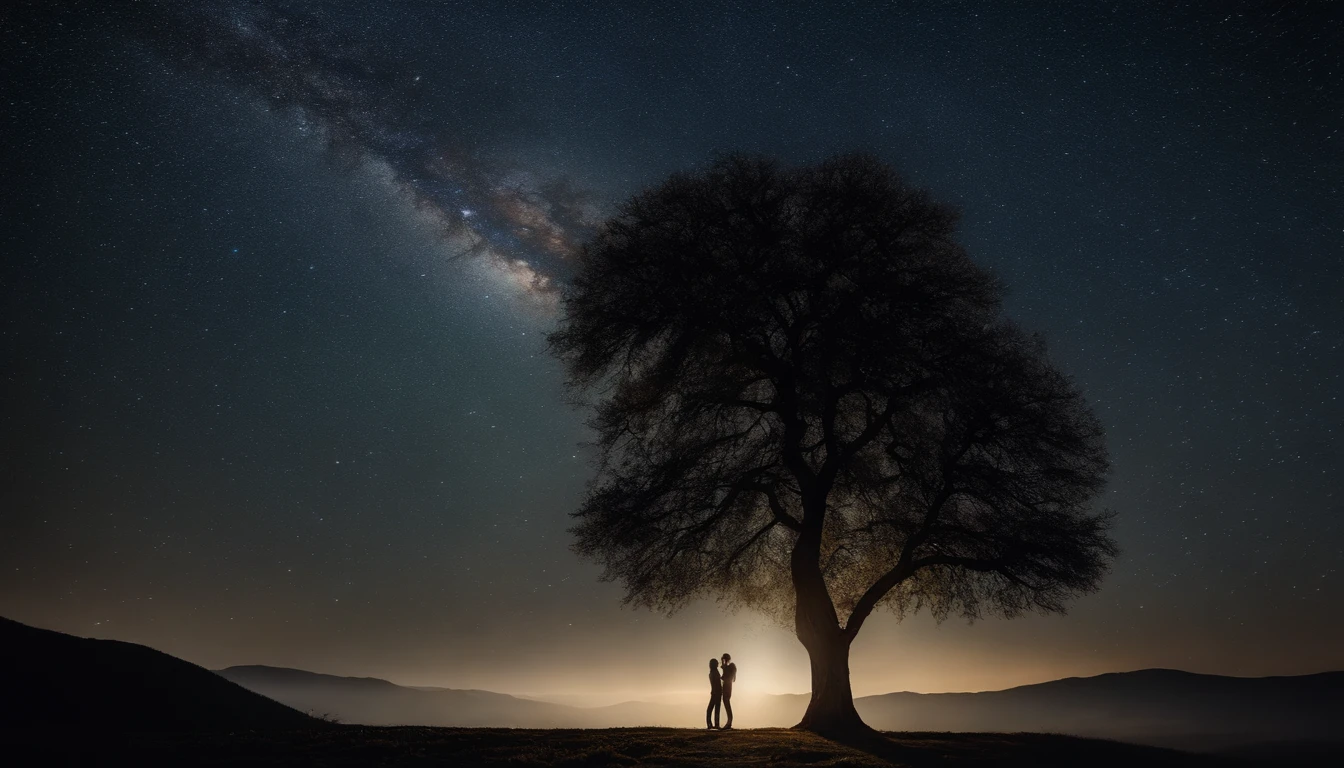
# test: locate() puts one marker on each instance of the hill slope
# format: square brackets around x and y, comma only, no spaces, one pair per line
[54,680]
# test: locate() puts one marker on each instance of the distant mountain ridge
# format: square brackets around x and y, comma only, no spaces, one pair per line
[262,673]
[51,680]
[372,701]
[1153,706]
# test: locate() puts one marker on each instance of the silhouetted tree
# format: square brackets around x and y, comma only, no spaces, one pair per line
[807,403]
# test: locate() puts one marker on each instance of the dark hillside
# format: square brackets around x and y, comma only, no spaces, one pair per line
[50,680]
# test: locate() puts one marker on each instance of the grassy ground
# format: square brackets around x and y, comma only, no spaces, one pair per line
[772,748]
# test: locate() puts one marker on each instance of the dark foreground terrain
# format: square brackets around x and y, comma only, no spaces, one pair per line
[775,748]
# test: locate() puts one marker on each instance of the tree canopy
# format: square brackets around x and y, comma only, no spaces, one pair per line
[807,402]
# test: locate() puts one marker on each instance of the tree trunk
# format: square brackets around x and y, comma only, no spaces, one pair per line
[831,710]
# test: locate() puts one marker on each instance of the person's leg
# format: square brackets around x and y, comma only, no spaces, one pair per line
[728,709]
[717,699]
[709,710]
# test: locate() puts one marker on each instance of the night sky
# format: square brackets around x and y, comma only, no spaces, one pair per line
[276,278]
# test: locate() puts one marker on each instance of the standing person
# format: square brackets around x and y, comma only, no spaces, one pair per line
[715,694]
[729,675]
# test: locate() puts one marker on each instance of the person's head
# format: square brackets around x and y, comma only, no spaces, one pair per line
[713,664]
[726,659]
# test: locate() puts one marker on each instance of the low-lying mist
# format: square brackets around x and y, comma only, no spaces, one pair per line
[1161,707]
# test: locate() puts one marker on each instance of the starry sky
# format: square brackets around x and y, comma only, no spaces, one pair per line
[276,278]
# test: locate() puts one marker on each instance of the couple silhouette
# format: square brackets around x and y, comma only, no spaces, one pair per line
[720,691]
